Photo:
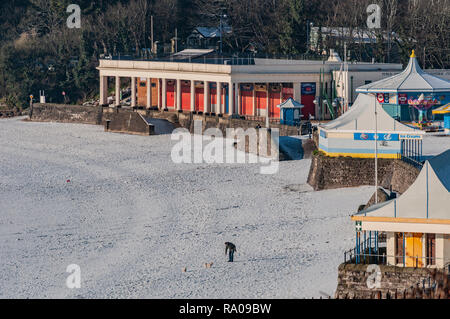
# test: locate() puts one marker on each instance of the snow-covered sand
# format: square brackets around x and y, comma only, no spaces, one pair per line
[132,219]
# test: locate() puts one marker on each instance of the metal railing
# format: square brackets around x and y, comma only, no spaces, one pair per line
[228,59]
[371,257]
[411,152]
[412,161]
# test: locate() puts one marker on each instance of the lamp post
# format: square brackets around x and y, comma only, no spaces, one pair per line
[224,16]
[309,25]
[376,148]
[315,105]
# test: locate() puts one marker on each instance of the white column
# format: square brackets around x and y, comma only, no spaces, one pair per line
[254,100]
[239,106]
[164,93]
[133,91]
[281,93]
[117,91]
[267,100]
[178,94]
[149,93]
[103,90]
[230,98]
[192,95]
[219,98]
[297,93]
[206,96]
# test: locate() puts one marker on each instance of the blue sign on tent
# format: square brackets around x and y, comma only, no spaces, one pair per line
[371,137]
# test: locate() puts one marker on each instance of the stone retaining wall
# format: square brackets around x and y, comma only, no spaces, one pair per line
[336,172]
[394,282]
[186,120]
[99,115]
[127,122]
[66,113]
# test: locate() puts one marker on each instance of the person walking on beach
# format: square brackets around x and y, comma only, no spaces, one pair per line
[231,249]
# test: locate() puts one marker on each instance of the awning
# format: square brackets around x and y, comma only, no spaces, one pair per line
[444,109]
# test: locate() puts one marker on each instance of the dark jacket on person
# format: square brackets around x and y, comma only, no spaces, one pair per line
[229,246]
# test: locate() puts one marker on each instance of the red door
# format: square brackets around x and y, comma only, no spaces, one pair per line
[247,99]
[261,100]
[274,100]
[309,108]
[185,95]
[199,100]
[308,93]
[170,96]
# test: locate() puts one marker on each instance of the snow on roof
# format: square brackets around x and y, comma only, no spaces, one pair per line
[412,79]
[290,103]
[212,32]
[193,52]
[427,197]
[361,117]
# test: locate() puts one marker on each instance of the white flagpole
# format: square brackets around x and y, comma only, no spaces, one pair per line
[376,151]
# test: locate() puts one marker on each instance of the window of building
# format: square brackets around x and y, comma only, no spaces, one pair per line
[142,84]
[431,249]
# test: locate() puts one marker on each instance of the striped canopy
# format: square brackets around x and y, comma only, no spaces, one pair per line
[412,79]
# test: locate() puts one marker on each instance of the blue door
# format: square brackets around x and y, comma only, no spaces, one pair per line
[226,99]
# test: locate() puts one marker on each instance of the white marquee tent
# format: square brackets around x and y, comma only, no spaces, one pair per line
[361,117]
[427,198]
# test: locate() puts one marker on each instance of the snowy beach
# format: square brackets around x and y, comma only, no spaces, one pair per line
[117,206]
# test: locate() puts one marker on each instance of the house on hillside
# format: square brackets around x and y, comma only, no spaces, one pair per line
[206,37]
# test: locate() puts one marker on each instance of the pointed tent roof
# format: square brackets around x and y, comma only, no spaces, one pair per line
[290,103]
[412,79]
[427,198]
[361,117]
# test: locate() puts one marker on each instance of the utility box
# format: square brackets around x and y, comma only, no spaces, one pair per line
[42,97]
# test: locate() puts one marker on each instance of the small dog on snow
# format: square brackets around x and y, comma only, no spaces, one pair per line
[208,265]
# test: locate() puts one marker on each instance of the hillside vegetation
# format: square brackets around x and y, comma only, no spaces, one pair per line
[39,52]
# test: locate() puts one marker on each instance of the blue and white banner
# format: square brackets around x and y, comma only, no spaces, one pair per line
[371,137]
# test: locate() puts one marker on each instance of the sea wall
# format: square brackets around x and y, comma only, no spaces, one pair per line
[186,120]
[66,113]
[127,122]
[99,115]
